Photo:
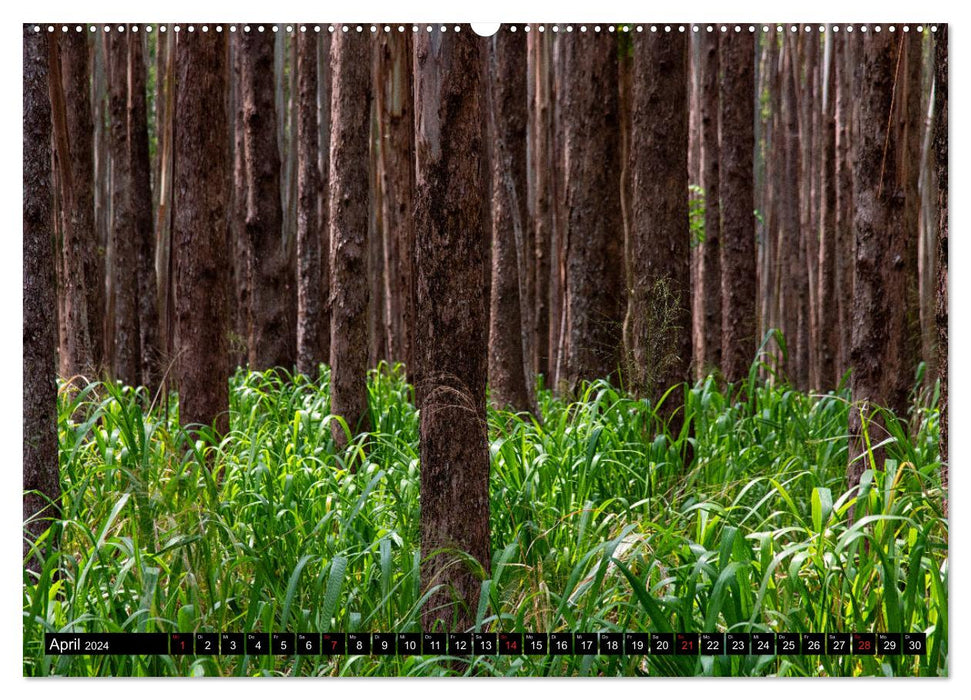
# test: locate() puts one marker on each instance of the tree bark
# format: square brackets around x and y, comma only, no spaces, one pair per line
[828,306]
[659,305]
[507,318]
[711,278]
[845,239]
[141,168]
[241,248]
[126,364]
[877,206]
[310,352]
[271,338]
[42,485]
[350,131]
[593,230]
[81,281]
[201,258]
[737,200]
[394,98]
[452,231]
[323,198]
[941,162]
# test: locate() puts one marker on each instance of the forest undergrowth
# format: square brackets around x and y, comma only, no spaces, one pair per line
[597,525]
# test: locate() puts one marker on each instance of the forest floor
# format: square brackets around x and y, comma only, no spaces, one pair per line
[596,526]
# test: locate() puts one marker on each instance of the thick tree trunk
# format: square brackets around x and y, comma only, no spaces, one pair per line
[141,169]
[126,364]
[711,279]
[42,485]
[508,383]
[593,229]
[877,207]
[80,243]
[659,304]
[241,248]
[310,351]
[941,162]
[201,258]
[271,338]
[394,98]
[452,231]
[828,307]
[323,198]
[845,238]
[350,130]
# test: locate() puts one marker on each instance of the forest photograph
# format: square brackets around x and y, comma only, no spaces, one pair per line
[400,350]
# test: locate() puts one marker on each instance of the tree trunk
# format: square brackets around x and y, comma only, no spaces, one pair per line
[593,230]
[711,279]
[141,170]
[507,320]
[659,306]
[845,239]
[877,206]
[241,249]
[201,258]
[904,348]
[350,131]
[270,336]
[309,341]
[126,364]
[541,191]
[737,201]
[828,306]
[452,230]
[323,196]
[941,158]
[42,485]
[394,97]
[80,242]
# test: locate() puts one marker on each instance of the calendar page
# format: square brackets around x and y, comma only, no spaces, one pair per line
[537,349]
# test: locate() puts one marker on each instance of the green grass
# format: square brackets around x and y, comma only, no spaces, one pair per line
[596,526]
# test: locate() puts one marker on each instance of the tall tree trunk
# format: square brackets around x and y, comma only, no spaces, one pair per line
[452,231]
[241,248]
[350,131]
[877,193]
[711,279]
[126,365]
[904,348]
[80,242]
[845,238]
[593,229]
[201,197]
[541,206]
[737,201]
[141,169]
[941,158]
[508,385]
[377,332]
[659,304]
[309,341]
[557,294]
[164,260]
[394,98]
[42,485]
[323,197]
[828,305]
[270,336]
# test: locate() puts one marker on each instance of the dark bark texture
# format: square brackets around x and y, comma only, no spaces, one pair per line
[42,485]
[941,160]
[877,200]
[452,232]
[271,338]
[737,197]
[350,129]
[148,332]
[508,385]
[593,229]
[659,303]
[828,305]
[126,365]
[310,350]
[201,257]
[711,279]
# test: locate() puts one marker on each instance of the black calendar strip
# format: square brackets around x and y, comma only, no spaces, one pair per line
[486,644]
